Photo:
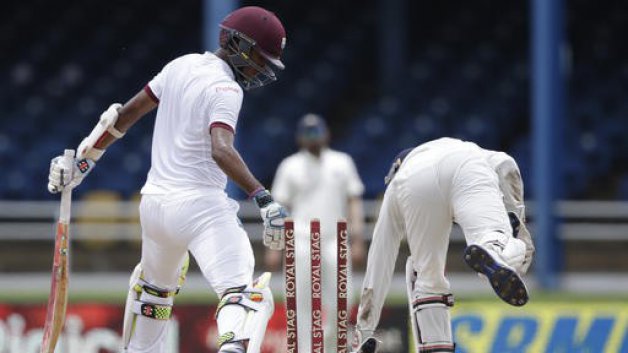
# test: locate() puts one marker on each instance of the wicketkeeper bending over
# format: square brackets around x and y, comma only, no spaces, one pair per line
[428,189]
[184,206]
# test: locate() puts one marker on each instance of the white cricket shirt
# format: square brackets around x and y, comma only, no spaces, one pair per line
[317,187]
[194,92]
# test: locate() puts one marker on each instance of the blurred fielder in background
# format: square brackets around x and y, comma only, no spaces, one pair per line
[184,206]
[318,182]
[428,188]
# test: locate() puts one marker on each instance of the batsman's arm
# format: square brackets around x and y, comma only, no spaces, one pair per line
[112,125]
[130,113]
[230,161]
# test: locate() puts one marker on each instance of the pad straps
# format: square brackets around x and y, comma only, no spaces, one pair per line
[437,348]
[249,300]
[430,302]
[447,299]
[153,311]
[154,291]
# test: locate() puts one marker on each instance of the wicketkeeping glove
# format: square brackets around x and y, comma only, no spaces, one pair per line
[520,231]
[363,345]
[67,176]
[273,215]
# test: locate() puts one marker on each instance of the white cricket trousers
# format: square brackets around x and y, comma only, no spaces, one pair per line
[204,224]
[432,190]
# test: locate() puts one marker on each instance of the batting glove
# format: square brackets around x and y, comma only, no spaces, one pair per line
[63,176]
[273,215]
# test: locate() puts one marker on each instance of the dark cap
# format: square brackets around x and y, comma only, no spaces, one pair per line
[396,164]
[312,126]
[263,27]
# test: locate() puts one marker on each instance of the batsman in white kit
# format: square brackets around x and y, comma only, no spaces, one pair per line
[184,206]
[430,187]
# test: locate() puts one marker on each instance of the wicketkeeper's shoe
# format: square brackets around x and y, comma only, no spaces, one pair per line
[368,346]
[505,281]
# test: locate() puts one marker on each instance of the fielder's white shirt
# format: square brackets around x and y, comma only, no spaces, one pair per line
[194,92]
[317,187]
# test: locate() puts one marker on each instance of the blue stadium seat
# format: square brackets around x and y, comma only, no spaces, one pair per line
[467,76]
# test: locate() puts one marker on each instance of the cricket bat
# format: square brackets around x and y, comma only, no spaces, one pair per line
[58,299]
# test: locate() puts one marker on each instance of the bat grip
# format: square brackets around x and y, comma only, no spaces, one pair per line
[66,194]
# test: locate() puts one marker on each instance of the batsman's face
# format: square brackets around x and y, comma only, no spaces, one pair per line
[260,61]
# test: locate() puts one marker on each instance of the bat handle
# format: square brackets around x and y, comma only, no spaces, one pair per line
[66,194]
[68,154]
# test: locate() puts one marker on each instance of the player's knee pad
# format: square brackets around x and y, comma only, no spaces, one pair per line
[243,313]
[148,301]
[429,314]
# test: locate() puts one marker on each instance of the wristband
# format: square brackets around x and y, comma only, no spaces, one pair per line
[255,192]
[263,198]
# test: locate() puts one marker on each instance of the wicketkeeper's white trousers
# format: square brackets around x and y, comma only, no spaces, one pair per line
[429,193]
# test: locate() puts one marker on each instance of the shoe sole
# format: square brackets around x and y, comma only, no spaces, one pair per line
[506,283]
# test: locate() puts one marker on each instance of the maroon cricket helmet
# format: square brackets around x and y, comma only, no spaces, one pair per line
[262,27]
